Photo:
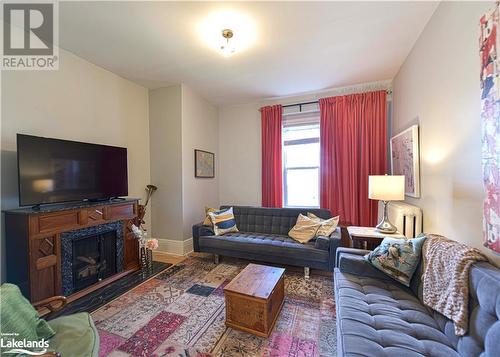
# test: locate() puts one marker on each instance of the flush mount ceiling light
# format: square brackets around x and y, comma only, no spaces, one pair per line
[227,32]
[227,48]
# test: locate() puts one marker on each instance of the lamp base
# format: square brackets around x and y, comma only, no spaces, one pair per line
[385,226]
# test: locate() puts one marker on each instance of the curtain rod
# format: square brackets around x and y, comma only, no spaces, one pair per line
[388,91]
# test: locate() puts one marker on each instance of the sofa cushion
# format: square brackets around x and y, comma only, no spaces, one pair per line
[398,258]
[377,317]
[327,225]
[305,229]
[207,221]
[223,221]
[76,335]
[264,244]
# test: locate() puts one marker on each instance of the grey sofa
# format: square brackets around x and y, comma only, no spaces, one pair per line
[263,236]
[377,316]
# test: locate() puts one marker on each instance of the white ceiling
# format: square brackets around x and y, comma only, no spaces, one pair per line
[300,46]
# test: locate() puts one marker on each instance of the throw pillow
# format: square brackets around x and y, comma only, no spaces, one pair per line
[397,257]
[207,221]
[223,221]
[20,318]
[327,225]
[304,230]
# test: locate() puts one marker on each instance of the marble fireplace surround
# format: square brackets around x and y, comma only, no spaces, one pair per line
[67,250]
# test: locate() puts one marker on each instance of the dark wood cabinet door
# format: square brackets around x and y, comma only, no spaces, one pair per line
[131,253]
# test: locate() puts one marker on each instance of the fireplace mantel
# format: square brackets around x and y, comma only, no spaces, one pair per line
[33,243]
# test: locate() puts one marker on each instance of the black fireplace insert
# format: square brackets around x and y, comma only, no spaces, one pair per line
[90,255]
[94,259]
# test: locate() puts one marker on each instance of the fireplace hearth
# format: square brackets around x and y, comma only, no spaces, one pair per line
[90,255]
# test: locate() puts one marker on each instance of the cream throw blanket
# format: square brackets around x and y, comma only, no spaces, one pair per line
[446,278]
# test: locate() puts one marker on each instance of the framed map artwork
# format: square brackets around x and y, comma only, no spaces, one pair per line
[204,164]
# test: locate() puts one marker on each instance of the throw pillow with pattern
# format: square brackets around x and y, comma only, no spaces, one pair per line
[397,257]
[223,221]
[304,230]
[327,227]
[207,221]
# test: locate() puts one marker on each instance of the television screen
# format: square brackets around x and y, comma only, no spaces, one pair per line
[53,170]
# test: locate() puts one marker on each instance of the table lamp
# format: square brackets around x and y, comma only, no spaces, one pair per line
[386,188]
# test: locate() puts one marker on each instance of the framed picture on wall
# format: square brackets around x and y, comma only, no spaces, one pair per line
[405,159]
[204,164]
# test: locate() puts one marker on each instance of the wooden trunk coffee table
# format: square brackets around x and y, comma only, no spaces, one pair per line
[254,299]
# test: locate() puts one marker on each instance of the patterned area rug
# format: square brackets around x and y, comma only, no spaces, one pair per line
[181,313]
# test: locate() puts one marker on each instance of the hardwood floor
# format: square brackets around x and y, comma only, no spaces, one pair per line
[175,259]
[168,258]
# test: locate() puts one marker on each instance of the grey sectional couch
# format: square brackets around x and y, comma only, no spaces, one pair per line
[377,316]
[263,236]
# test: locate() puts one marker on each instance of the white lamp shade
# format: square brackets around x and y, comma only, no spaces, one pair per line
[386,187]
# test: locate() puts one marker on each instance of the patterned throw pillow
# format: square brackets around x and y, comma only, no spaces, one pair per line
[223,221]
[327,225]
[304,230]
[397,257]
[207,221]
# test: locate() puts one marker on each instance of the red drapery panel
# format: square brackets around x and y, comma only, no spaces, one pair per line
[353,145]
[272,184]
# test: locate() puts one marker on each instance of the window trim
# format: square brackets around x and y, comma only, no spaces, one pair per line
[286,169]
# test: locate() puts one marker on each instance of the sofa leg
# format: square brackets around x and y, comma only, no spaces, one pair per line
[216,258]
[306,272]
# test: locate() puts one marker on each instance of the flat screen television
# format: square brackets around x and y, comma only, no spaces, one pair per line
[54,170]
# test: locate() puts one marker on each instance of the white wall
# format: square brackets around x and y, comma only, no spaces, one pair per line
[240,155]
[80,102]
[200,126]
[165,127]
[180,121]
[439,85]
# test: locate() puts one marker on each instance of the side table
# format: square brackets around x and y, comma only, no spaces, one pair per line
[368,237]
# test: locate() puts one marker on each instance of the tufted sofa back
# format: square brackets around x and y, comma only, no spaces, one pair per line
[271,220]
[483,336]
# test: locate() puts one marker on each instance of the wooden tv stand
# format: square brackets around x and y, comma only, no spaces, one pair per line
[33,243]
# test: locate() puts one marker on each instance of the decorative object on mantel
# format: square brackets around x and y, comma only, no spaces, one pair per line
[146,246]
[405,159]
[140,233]
[150,189]
[204,164]
[490,135]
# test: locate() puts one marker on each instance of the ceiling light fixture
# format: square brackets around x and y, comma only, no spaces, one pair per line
[227,32]
[227,47]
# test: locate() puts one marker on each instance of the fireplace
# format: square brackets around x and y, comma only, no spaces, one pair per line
[94,259]
[90,255]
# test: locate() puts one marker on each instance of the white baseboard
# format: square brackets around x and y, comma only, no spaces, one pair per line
[188,246]
[175,247]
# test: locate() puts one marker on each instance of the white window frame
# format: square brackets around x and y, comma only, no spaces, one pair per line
[286,169]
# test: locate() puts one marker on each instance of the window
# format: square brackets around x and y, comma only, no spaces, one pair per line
[301,160]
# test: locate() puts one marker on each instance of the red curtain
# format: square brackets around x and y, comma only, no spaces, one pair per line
[272,184]
[353,145]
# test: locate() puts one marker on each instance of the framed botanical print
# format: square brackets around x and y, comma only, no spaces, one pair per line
[204,164]
[405,159]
